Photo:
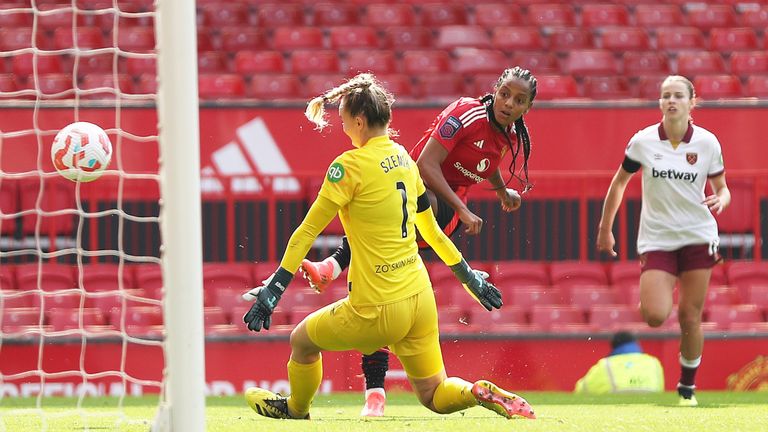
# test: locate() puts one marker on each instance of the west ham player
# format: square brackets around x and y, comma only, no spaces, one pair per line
[678,238]
[463,146]
[376,190]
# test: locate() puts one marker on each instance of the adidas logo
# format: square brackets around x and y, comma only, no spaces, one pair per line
[479,144]
[253,151]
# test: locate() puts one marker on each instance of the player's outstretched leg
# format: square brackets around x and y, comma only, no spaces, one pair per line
[269,404]
[500,401]
[319,274]
[687,395]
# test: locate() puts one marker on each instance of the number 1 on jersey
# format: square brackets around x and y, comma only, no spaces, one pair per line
[403,227]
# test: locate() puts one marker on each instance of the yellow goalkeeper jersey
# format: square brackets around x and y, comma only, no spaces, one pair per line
[376,187]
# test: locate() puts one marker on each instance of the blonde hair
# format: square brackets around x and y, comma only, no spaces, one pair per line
[366,96]
[684,80]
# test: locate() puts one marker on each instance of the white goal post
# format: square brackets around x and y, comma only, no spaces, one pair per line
[183,404]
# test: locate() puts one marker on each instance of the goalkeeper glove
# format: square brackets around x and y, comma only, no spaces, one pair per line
[480,289]
[265,299]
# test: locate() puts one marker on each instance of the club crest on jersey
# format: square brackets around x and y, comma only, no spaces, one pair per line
[692,158]
[335,173]
[450,127]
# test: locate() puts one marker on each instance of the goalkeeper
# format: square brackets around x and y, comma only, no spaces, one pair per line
[463,146]
[380,198]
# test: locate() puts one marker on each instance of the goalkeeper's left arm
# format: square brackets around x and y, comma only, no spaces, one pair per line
[472,280]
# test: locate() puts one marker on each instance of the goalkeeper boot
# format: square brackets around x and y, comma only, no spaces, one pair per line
[319,274]
[374,405]
[687,396]
[500,401]
[269,404]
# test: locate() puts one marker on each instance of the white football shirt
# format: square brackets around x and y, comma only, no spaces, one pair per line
[672,214]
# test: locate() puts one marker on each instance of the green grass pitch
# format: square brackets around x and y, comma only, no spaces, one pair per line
[717,411]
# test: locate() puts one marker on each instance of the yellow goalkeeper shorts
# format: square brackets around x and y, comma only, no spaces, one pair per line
[408,328]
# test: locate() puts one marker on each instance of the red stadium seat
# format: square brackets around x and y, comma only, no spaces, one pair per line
[57,194]
[138,316]
[213,315]
[748,63]
[585,297]
[314,61]
[718,276]
[517,38]
[709,16]
[378,62]
[224,14]
[452,36]
[624,273]
[442,14]
[649,86]
[318,84]
[591,62]
[347,37]
[717,86]
[398,84]
[611,87]
[452,319]
[758,294]
[513,274]
[9,192]
[334,14]
[269,87]
[264,269]
[298,313]
[204,40]
[722,295]
[743,274]
[7,278]
[755,17]
[67,319]
[547,315]
[691,64]
[290,38]
[85,38]
[541,62]
[610,317]
[15,38]
[104,277]
[623,39]
[556,87]
[99,64]
[551,14]
[757,86]
[146,84]
[7,85]
[23,64]
[149,278]
[104,86]
[250,62]
[481,84]
[407,37]
[52,277]
[136,39]
[732,39]
[16,317]
[565,39]
[530,297]
[389,14]
[18,19]
[441,85]
[658,15]
[567,274]
[472,60]
[231,301]
[725,315]
[496,15]
[221,86]
[602,15]
[645,63]
[20,299]
[422,62]
[218,276]
[234,39]
[107,301]
[280,14]
[482,319]
[674,39]
[302,297]
[212,62]
[140,65]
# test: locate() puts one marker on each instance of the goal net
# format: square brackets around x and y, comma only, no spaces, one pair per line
[92,312]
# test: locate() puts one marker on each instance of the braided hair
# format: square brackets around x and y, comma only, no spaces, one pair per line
[521,130]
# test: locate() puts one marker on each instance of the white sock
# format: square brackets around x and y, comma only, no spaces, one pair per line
[335,265]
[690,363]
[375,390]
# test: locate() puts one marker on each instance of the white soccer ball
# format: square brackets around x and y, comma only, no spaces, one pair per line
[81,151]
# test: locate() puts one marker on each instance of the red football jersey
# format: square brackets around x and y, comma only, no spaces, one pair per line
[475,146]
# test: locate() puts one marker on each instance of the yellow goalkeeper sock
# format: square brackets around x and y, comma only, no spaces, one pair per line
[453,394]
[305,380]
